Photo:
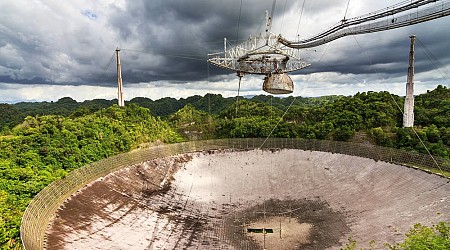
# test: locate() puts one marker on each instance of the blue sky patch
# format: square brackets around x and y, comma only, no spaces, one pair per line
[91,15]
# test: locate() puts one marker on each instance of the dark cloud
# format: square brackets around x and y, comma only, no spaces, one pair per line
[168,40]
[385,53]
[181,34]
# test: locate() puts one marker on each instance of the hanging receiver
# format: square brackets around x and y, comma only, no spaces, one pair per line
[273,56]
[262,55]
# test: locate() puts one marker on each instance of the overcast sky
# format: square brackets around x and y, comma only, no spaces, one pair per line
[51,49]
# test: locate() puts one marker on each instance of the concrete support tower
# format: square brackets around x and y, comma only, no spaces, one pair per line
[121,102]
[408,114]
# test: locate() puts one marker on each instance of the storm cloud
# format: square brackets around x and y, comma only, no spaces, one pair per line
[72,43]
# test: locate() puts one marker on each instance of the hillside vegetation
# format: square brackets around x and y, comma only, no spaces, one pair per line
[42,142]
[45,148]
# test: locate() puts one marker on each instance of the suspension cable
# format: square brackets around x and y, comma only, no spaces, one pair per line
[294,99]
[274,3]
[189,57]
[239,21]
[284,13]
[300,18]
[239,74]
[433,60]
[400,109]
[103,75]
[209,95]
[346,10]
[358,25]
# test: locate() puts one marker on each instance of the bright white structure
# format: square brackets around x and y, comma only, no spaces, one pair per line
[403,14]
[408,114]
[269,54]
[278,84]
[120,99]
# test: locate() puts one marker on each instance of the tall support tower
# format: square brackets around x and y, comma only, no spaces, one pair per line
[408,114]
[121,102]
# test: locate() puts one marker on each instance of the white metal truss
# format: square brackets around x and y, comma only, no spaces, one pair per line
[262,54]
[400,15]
[268,53]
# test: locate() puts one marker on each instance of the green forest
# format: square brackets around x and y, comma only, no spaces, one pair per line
[43,141]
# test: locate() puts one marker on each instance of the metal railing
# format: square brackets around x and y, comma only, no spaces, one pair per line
[42,208]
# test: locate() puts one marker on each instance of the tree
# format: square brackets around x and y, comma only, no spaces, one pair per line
[344,133]
[244,108]
[381,138]
[45,148]
[432,132]
[420,237]
[193,123]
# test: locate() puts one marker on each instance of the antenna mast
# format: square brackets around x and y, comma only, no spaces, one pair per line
[121,102]
[408,114]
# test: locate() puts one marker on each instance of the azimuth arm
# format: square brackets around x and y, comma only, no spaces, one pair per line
[410,13]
